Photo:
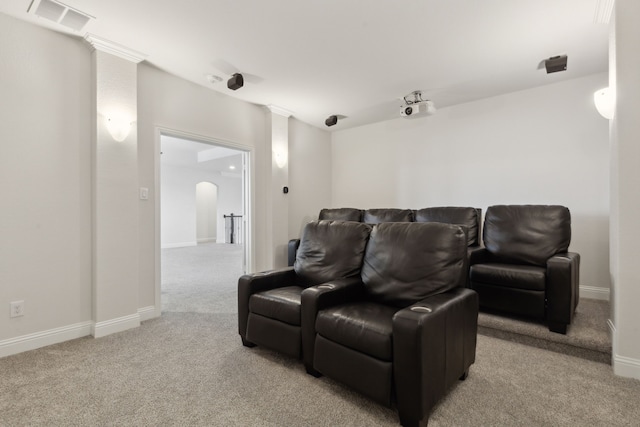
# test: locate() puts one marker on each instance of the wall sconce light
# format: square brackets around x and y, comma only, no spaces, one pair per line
[280,158]
[118,127]
[605,101]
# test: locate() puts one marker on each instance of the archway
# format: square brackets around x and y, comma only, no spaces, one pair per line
[206,212]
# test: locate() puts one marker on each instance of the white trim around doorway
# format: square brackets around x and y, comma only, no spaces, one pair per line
[247,195]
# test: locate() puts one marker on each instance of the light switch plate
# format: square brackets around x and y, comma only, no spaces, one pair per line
[144,193]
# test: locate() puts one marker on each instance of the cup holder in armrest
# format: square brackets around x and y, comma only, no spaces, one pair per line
[326,286]
[421,309]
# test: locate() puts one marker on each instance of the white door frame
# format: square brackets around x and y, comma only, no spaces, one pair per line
[247,195]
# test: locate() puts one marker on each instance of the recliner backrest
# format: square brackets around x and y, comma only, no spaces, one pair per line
[465,216]
[330,250]
[377,216]
[407,262]
[528,234]
[341,214]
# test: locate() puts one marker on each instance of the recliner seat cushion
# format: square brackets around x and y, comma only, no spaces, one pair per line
[281,304]
[361,326]
[330,250]
[377,216]
[407,262]
[467,217]
[341,214]
[527,277]
[528,234]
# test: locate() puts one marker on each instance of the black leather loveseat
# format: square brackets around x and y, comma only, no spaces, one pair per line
[401,327]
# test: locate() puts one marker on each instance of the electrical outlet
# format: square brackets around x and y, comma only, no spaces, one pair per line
[17,308]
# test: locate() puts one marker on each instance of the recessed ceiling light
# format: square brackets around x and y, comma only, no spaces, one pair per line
[232,167]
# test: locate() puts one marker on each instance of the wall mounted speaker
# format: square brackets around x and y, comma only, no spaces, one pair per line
[235,82]
[331,120]
[556,63]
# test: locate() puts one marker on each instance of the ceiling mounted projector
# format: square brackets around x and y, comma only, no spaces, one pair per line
[415,106]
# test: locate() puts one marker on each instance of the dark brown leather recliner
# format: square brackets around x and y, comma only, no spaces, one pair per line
[525,267]
[341,214]
[269,312]
[376,216]
[469,218]
[405,330]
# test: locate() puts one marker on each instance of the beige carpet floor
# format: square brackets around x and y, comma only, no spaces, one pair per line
[189,368]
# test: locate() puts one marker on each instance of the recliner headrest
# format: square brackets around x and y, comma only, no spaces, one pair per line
[330,250]
[341,214]
[465,216]
[407,262]
[377,216]
[528,234]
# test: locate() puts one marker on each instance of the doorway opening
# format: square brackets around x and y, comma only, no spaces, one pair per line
[206,212]
[202,182]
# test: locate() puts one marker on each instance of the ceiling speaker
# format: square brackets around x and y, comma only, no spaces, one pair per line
[235,82]
[556,63]
[331,120]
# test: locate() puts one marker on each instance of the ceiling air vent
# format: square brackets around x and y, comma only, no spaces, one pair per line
[60,13]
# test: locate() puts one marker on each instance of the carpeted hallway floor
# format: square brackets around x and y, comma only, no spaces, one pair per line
[189,368]
[201,279]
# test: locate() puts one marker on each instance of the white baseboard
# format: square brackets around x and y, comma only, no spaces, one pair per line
[112,326]
[626,367]
[178,245]
[66,333]
[622,366]
[148,313]
[44,338]
[207,240]
[594,292]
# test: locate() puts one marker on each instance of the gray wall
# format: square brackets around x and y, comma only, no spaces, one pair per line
[546,145]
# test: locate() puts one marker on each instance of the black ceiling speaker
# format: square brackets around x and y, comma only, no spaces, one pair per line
[235,82]
[331,120]
[556,63]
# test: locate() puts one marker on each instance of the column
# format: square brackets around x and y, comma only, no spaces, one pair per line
[115,194]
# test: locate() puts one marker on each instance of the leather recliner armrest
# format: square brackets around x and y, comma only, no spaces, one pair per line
[562,290]
[314,299]
[292,248]
[478,255]
[434,343]
[249,284]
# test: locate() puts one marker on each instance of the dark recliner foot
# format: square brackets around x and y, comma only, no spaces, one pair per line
[247,343]
[313,372]
[464,375]
[405,422]
[560,328]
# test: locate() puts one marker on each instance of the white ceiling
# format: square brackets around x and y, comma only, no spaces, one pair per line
[355,58]
[197,155]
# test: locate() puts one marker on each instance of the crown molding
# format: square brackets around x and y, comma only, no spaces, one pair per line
[279,111]
[114,48]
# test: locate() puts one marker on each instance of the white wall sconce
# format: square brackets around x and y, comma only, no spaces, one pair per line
[280,158]
[118,127]
[605,101]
